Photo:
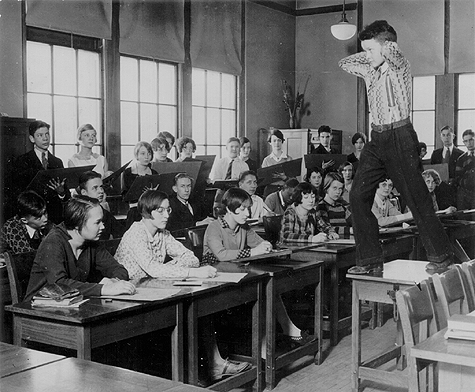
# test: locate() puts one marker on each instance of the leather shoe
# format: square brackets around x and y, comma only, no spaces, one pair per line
[432,266]
[229,368]
[301,340]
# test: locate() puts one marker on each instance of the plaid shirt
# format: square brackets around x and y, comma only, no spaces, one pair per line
[296,228]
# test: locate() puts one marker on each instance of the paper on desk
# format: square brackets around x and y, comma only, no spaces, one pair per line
[231,277]
[145,294]
[342,241]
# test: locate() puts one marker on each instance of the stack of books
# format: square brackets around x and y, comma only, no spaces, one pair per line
[461,326]
[57,295]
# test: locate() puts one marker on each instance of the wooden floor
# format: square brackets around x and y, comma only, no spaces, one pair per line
[334,374]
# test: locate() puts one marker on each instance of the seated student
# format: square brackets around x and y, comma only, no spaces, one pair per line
[186,147]
[142,252]
[87,135]
[332,208]
[143,154]
[248,182]
[422,148]
[465,173]
[231,166]
[230,238]
[245,151]
[185,213]
[358,140]
[70,254]
[280,200]
[325,137]
[301,223]
[432,180]
[347,172]
[24,232]
[90,184]
[160,148]
[386,210]
[170,139]
[55,193]
[314,177]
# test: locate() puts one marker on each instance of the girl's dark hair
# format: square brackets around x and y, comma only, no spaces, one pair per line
[277,133]
[343,165]
[380,30]
[303,188]
[330,177]
[76,211]
[243,140]
[235,198]
[160,141]
[149,201]
[315,169]
[183,141]
[29,203]
[357,136]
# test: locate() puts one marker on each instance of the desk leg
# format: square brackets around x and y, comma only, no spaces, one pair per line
[318,320]
[84,343]
[18,332]
[257,314]
[355,338]
[334,306]
[270,334]
[192,345]
[177,345]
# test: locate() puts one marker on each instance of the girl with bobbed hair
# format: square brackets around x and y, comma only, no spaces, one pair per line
[186,148]
[347,172]
[314,177]
[358,140]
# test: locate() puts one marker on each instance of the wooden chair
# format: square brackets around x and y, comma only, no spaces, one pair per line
[450,290]
[272,226]
[416,319]
[19,268]
[196,237]
[468,269]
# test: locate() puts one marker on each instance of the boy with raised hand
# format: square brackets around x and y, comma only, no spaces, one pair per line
[393,149]
[90,184]
[39,158]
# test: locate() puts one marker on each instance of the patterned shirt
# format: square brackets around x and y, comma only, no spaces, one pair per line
[399,74]
[302,229]
[16,239]
[144,256]
[337,214]
[221,243]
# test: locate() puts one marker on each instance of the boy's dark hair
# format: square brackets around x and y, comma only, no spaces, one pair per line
[357,136]
[468,132]
[37,125]
[149,201]
[380,30]
[29,203]
[330,177]
[167,135]
[235,198]
[303,188]
[324,128]
[85,177]
[183,141]
[291,183]
[315,169]
[448,127]
[422,145]
[246,173]
[76,211]
[277,133]
[158,141]
[179,176]
[243,140]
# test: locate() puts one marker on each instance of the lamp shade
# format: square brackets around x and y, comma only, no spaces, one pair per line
[343,30]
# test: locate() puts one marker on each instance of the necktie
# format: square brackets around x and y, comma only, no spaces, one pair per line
[189,207]
[447,156]
[44,160]
[229,171]
[36,236]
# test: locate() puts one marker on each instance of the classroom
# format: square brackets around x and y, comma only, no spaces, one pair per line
[237,195]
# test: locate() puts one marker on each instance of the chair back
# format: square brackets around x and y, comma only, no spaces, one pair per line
[19,268]
[468,269]
[272,226]
[196,236]
[111,245]
[451,292]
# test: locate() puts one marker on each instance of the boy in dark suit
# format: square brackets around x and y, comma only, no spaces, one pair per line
[325,136]
[39,158]
[448,153]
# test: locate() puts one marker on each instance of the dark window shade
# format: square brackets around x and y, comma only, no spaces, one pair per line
[63,39]
[216,36]
[153,29]
[88,18]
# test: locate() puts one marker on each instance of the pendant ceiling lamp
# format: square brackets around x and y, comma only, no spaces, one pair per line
[343,30]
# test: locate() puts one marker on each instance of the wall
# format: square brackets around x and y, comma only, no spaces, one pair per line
[269,58]
[11,86]
[330,92]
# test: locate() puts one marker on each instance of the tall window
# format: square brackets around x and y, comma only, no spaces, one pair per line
[214,110]
[148,101]
[423,110]
[64,87]
[466,105]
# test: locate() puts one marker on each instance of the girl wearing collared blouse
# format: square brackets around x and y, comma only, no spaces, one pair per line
[142,251]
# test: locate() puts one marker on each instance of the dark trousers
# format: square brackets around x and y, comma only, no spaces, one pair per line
[393,151]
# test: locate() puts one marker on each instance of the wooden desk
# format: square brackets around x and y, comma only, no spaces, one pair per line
[343,256]
[72,375]
[397,275]
[456,361]
[99,322]
[286,276]
[16,359]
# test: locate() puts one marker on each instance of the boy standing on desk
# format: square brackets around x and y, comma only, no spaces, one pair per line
[393,149]
[27,165]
